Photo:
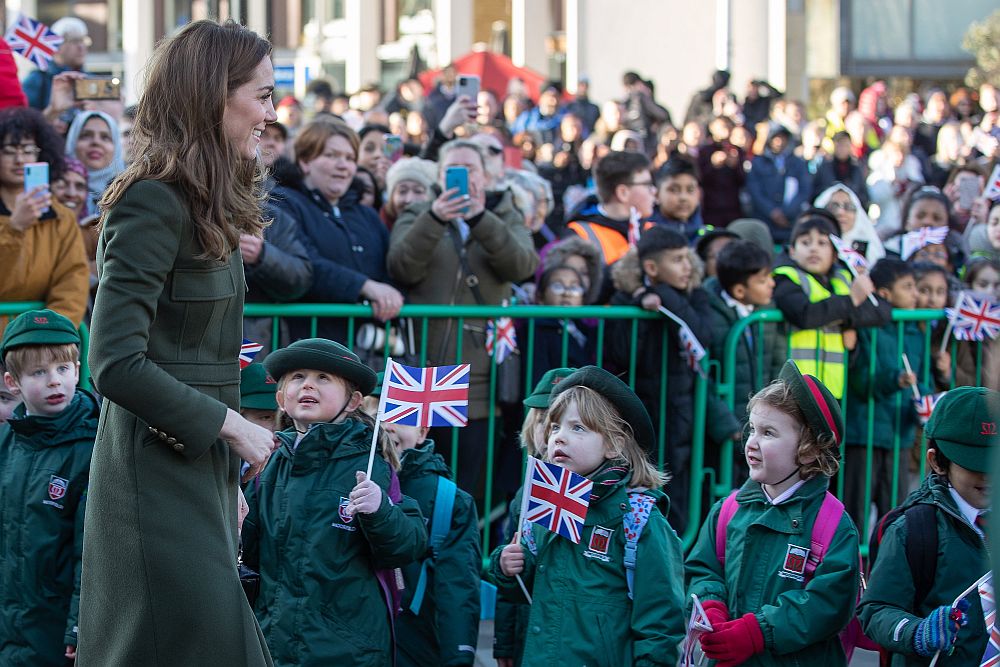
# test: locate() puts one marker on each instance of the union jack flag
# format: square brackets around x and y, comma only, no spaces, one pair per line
[848,255]
[248,350]
[974,318]
[557,498]
[501,339]
[992,190]
[33,40]
[433,396]
[692,351]
[925,406]
[925,236]
[634,227]
[991,658]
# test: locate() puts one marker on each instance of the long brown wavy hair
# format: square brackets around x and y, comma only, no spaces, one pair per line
[178,134]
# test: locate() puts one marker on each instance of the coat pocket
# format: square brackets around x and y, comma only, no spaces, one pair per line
[203,297]
[211,284]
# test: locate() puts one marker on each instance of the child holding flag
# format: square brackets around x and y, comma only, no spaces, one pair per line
[768,605]
[914,624]
[611,597]
[318,527]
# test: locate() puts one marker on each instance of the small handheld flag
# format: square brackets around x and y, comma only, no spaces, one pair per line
[691,348]
[33,40]
[920,238]
[248,350]
[974,317]
[433,396]
[925,406]
[848,255]
[992,190]
[558,498]
[697,626]
[991,657]
[634,227]
[501,339]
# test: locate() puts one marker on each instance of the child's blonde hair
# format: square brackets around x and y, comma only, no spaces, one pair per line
[19,359]
[824,449]
[531,421]
[385,447]
[600,416]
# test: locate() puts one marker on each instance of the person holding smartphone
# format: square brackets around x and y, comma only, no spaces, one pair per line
[482,238]
[42,256]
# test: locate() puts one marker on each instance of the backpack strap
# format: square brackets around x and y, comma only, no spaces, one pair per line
[823,531]
[921,548]
[640,507]
[729,507]
[444,502]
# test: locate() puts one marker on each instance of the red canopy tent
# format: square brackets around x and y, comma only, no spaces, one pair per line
[494,70]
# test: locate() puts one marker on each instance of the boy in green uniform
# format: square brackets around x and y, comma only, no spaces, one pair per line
[257,396]
[45,451]
[318,528]
[439,624]
[961,439]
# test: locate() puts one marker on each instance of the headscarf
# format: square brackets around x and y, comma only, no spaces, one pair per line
[863,230]
[98,179]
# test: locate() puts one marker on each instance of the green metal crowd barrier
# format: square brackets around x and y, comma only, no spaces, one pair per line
[707,484]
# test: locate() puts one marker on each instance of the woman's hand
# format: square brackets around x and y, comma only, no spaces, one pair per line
[250,442]
[450,205]
[29,206]
[366,497]
[462,110]
[386,301]
[251,247]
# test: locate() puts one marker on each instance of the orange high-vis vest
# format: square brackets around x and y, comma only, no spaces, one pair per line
[611,243]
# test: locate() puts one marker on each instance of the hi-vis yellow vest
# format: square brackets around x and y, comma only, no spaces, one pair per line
[819,352]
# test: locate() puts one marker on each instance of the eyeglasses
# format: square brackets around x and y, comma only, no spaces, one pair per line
[647,184]
[11,151]
[835,206]
[494,150]
[559,289]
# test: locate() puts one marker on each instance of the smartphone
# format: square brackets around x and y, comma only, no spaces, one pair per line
[467,84]
[392,146]
[35,174]
[457,177]
[968,190]
[97,88]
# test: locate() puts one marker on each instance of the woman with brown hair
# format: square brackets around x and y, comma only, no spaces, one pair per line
[159,578]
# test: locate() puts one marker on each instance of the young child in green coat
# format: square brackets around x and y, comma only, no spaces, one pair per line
[914,620]
[318,528]
[45,451]
[765,605]
[589,606]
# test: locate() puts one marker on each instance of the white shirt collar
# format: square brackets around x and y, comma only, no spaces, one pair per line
[968,511]
[742,309]
[788,493]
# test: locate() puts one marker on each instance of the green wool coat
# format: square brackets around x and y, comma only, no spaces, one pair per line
[159,583]
[320,603]
[887,610]
[447,629]
[799,621]
[44,465]
[581,613]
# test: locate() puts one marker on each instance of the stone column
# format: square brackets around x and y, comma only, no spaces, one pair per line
[138,39]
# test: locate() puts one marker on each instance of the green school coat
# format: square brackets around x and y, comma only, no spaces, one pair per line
[886,610]
[159,584]
[320,603]
[799,621]
[581,613]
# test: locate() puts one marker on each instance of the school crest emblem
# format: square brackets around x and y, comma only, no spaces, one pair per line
[57,487]
[600,539]
[795,560]
[342,512]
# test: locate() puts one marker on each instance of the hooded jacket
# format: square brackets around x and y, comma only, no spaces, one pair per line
[320,602]
[44,472]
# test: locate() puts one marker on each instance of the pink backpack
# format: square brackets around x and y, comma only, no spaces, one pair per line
[822,534]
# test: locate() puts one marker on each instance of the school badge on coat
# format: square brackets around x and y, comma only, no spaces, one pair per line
[57,487]
[795,563]
[344,515]
[600,541]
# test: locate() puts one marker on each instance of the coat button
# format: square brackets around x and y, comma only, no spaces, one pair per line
[178,447]
[795,523]
[536,629]
[623,506]
[541,568]
[171,441]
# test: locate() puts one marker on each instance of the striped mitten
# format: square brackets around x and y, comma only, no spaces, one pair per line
[939,630]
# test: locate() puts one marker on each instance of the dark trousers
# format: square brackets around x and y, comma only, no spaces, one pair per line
[881,483]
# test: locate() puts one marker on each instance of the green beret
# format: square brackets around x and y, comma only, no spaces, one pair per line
[539,398]
[964,426]
[619,395]
[321,354]
[38,327]
[257,388]
[821,409]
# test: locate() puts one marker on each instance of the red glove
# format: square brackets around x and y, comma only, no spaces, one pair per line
[734,642]
[716,611]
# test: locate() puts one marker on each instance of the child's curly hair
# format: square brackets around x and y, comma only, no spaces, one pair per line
[817,455]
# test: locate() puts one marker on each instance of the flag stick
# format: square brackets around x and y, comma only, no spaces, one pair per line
[909,369]
[947,329]
[378,417]
[520,519]
[967,591]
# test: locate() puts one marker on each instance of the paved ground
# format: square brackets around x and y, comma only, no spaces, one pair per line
[484,651]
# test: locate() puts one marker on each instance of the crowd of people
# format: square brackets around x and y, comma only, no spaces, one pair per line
[150,227]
